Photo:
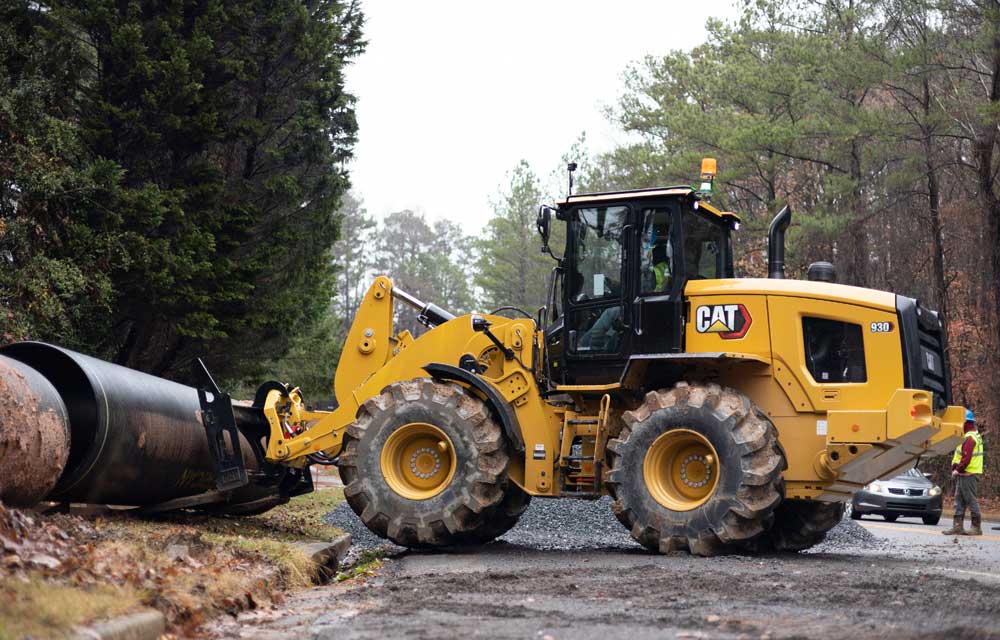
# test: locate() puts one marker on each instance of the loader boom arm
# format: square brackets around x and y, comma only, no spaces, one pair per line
[297,432]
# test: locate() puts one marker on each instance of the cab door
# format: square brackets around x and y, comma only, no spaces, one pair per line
[597,286]
[677,243]
[658,305]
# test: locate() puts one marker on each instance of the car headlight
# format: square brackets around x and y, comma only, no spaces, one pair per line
[875,487]
[935,490]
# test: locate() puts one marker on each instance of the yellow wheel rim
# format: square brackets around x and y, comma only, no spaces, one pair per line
[681,469]
[418,461]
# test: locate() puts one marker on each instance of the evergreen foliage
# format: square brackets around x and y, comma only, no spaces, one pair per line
[511,268]
[428,260]
[57,252]
[224,126]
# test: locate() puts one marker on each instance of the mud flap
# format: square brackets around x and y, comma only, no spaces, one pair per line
[219,421]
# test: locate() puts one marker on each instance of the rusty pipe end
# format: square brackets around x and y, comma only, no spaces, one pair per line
[34,434]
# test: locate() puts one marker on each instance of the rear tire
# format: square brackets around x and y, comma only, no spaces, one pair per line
[801,524]
[424,464]
[747,478]
[890,518]
[932,520]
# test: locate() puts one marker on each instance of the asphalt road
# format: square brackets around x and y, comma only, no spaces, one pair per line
[979,555]
[566,572]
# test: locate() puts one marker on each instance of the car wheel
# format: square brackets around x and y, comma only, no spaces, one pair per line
[931,520]
[890,518]
[855,514]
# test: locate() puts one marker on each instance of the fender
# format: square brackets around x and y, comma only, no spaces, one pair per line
[511,427]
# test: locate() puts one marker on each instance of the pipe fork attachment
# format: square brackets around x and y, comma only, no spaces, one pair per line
[219,421]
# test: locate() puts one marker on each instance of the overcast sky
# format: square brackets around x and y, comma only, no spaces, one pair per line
[453,93]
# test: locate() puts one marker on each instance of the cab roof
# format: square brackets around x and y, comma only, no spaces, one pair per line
[657,192]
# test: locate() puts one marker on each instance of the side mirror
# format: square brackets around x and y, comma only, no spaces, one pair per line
[544,224]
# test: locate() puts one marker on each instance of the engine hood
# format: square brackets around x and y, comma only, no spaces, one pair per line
[872,298]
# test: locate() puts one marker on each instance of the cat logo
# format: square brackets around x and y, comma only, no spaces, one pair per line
[730,321]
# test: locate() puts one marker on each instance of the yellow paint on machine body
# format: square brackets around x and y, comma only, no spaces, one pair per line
[835,437]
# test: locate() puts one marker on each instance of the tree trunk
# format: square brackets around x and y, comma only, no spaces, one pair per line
[858,241]
[934,208]
[985,146]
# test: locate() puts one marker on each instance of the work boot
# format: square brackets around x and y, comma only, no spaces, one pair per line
[976,529]
[956,529]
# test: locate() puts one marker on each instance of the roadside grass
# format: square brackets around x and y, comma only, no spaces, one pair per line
[189,566]
[366,564]
[38,608]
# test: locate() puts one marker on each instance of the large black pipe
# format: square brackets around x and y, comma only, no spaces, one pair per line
[135,439]
[776,243]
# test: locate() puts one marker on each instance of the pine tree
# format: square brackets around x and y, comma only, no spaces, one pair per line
[512,269]
[56,249]
[232,125]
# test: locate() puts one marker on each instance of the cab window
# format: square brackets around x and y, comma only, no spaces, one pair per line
[657,259]
[702,247]
[835,351]
[597,244]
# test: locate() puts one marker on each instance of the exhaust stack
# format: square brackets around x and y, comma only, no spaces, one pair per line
[776,243]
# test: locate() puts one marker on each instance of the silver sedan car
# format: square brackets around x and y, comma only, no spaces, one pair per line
[911,494]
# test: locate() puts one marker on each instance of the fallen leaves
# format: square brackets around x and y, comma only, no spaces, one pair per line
[190,567]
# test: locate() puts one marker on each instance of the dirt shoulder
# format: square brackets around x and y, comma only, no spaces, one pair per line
[570,570]
[62,570]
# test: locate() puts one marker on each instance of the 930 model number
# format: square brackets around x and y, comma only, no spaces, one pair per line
[881,327]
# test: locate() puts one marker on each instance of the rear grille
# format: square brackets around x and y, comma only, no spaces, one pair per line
[906,492]
[924,348]
[905,506]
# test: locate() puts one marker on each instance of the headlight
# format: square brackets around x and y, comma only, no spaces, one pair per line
[875,487]
[935,490]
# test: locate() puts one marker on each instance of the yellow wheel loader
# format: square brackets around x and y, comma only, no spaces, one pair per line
[719,413]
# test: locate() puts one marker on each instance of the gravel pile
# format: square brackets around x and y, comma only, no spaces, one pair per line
[567,524]
[848,534]
[547,525]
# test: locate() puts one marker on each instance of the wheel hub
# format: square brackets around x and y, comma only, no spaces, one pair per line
[695,471]
[418,461]
[425,462]
[681,469]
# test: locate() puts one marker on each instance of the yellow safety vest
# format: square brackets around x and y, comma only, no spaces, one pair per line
[976,463]
[661,270]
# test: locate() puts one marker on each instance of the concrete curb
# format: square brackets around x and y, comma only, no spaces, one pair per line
[149,624]
[327,556]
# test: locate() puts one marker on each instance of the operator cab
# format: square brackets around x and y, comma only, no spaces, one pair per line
[618,290]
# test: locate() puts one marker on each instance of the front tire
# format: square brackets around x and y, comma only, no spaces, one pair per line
[504,516]
[696,467]
[890,517]
[931,520]
[424,464]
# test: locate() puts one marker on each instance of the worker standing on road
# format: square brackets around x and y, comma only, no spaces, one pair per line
[966,469]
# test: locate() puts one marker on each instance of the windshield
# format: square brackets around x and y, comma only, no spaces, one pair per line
[597,243]
[703,255]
